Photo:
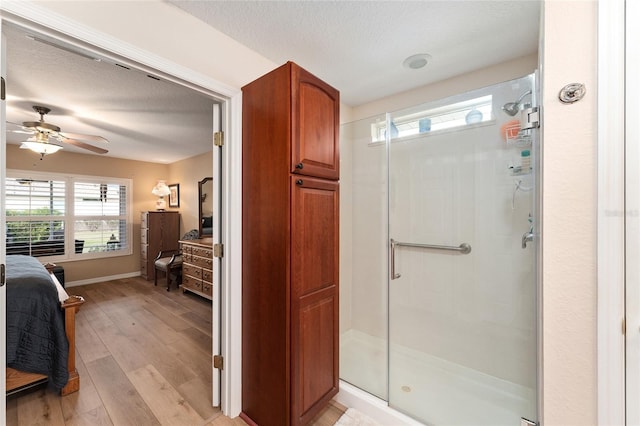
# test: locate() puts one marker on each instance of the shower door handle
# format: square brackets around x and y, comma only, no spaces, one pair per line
[463,248]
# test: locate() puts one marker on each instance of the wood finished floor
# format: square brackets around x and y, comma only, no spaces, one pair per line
[144,358]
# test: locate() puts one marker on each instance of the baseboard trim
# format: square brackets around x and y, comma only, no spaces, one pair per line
[101,279]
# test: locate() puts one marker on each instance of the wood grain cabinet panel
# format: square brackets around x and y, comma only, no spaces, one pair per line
[289,247]
[159,230]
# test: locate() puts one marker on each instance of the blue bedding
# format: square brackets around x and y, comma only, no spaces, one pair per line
[36,338]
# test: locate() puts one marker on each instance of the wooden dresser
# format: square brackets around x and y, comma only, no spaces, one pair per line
[159,230]
[289,247]
[197,266]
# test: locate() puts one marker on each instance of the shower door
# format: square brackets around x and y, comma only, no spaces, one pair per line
[462,287]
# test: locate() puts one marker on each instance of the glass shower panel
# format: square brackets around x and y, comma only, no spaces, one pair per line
[462,325]
[363,271]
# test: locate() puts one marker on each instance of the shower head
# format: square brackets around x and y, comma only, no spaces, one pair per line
[512,108]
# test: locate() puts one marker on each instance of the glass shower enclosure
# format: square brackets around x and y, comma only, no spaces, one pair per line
[439,268]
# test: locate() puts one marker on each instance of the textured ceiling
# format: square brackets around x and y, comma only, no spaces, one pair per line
[356,46]
[359,46]
[143,118]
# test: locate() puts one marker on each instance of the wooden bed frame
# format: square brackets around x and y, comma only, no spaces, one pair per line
[17,381]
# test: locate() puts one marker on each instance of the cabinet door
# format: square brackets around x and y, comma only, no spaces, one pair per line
[314,295]
[315,126]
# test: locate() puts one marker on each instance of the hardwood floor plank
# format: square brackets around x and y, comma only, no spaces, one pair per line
[76,405]
[329,415]
[11,416]
[121,399]
[96,417]
[122,348]
[171,304]
[199,338]
[157,327]
[196,358]
[202,324]
[169,407]
[40,407]
[88,344]
[166,313]
[198,392]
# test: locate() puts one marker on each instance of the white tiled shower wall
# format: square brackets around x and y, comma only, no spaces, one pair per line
[475,310]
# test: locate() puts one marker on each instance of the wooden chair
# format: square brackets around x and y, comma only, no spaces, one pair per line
[169,262]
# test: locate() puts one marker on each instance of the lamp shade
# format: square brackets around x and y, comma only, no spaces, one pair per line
[161,189]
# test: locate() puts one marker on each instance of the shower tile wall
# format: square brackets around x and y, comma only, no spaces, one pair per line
[453,188]
[449,189]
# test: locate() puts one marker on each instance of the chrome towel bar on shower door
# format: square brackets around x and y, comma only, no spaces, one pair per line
[463,248]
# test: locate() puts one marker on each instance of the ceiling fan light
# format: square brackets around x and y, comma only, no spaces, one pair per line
[41,147]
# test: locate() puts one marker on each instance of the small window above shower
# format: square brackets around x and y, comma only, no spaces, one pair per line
[455,115]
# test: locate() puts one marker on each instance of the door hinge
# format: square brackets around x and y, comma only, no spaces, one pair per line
[526,422]
[2,276]
[3,92]
[624,327]
[218,138]
[218,362]
[530,118]
[218,250]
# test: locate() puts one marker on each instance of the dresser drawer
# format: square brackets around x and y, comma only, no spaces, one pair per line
[203,262]
[144,236]
[201,251]
[193,271]
[192,283]
[143,268]
[207,289]
[186,248]
[144,221]
[207,276]
[143,251]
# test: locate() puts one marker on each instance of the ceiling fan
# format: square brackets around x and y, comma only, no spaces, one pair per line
[41,132]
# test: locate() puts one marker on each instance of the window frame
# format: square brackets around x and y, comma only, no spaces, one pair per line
[70,217]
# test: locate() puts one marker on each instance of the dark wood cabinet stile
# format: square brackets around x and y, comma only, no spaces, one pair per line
[290,247]
[159,230]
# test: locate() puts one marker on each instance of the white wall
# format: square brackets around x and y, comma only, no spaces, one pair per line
[569,215]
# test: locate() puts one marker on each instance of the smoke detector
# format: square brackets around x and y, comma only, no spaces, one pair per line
[415,62]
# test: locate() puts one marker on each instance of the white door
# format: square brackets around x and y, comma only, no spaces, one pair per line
[3,169]
[217,238]
[632,222]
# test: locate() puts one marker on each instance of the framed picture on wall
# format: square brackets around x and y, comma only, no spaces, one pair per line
[174,195]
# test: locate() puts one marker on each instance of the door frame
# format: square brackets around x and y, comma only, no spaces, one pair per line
[39,19]
[613,214]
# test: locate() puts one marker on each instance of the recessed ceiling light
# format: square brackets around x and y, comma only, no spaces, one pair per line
[415,62]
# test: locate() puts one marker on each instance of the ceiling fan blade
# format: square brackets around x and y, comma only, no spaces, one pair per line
[92,138]
[17,126]
[24,132]
[85,146]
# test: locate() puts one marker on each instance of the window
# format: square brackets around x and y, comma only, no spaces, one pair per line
[67,217]
[455,115]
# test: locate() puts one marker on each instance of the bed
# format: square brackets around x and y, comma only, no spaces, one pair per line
[40,328]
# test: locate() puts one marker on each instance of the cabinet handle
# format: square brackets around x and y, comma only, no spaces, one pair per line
[299,182]
[299,166]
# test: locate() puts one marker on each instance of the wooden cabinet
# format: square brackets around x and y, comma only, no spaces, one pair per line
[197,266]
[290,247]
[159,230]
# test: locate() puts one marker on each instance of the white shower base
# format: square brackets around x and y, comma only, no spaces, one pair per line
[433,390]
